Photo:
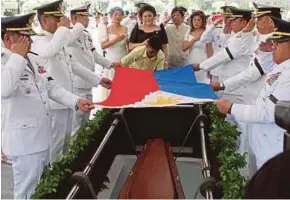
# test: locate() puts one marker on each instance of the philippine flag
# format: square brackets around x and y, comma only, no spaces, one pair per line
[142,88]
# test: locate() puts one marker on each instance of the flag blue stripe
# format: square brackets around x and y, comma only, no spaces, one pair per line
[177,75]
[182,81]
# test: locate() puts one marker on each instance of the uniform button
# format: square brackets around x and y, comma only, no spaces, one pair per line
[44,102]
[47,114]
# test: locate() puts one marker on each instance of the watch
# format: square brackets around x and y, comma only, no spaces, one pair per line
[77,106]
[197,67]
[230,109]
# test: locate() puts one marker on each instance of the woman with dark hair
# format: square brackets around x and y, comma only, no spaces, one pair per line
[141,34]
[198,51]
[114,40]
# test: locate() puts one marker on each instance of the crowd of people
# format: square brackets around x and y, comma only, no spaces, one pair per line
[47,78]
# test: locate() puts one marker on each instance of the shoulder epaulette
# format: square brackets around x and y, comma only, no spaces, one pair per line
[40,34]
[2,54]
[86,31]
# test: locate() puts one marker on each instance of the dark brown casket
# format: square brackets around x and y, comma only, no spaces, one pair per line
[154,175]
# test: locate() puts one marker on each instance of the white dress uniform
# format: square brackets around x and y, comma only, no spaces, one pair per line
[261,115]
[234,59]
[26,120]
[84,52]
[215,35]
[253,77]
[62,66]
[267,138]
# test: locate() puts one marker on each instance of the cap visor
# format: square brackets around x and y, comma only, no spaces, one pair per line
[27,33]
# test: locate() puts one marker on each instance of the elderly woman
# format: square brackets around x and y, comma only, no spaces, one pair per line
[141,34]
[114,37]
[114,40]
[198,51]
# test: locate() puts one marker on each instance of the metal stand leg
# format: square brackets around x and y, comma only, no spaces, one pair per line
[84,180]
[76,188]
[206,187]
[199,118]
[121,117]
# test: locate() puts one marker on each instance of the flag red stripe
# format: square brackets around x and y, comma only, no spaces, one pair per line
[130,86]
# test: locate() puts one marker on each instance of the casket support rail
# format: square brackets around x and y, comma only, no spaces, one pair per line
[82,179]
[76,188]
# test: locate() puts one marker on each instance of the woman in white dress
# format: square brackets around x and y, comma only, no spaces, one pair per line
[198,51]
[114,40]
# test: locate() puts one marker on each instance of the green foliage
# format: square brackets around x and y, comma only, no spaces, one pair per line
[61,170]
[206,6]
[223,137]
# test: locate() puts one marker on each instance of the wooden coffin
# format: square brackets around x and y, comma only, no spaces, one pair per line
[154,175]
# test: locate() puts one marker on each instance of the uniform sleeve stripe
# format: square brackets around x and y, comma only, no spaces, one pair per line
[229,53]
[273,99]
[259,66]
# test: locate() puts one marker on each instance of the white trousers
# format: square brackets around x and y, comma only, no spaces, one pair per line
[27,170]
[80,118]
[61,132]
[242,142]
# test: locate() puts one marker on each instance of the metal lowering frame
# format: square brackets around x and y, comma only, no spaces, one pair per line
[206,188]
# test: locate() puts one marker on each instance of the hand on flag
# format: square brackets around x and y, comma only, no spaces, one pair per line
[117,64]
[196,67]
[85,105]
[216,85]
[224,106]
[106,83]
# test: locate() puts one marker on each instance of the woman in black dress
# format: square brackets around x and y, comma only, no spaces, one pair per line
[141,33]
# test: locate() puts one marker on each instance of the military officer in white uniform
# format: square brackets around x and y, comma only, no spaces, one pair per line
[262,61]
[236,56]
[218,36]
[276,87]
[84,52]
[26,122]
[53,57]
[254,76]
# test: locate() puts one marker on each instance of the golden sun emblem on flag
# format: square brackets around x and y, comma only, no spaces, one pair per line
[164,101]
